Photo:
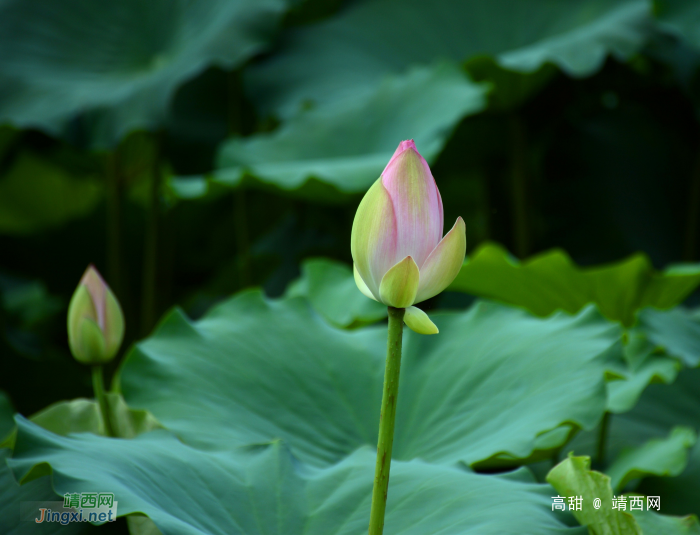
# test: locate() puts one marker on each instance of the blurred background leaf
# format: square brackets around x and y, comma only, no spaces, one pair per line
[659,410]
[36,194]
[681,17]
[551,281]
[351,53]
[345,148]
[117,62]
[331,290]
[660,457]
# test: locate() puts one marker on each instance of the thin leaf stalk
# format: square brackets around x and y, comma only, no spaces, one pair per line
[603,439]
[241,233]
[151,245]
[114,222]
[519,184]
[387,420]
[693,219]
[99,389]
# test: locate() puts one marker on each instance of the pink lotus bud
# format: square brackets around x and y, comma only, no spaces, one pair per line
[400,255]
[95,320]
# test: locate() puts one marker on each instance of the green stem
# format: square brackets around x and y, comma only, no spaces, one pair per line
[603,438]
[241,231]
[114,223]
[235,107]
[234,102]
[150,253]
[386,421]
[693,221]
[521,222]
[99,388]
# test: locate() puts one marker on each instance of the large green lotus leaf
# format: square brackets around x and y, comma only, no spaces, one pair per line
[36,194]
[481,391]
[263,489]
[331,290]
[84,416]
[75,416]
[660,408]
[681,494]
[676,332]
[660,456]
[140,524]
[573,478]
[63,418]
[350,53]
[551,281]
[344,148]
[658,345]
[624,394]
[681,17]
[121,61]
[12,495]
[655,524]
[641,366]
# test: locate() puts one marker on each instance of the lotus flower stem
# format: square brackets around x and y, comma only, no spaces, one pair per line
[386,421]
[99,388]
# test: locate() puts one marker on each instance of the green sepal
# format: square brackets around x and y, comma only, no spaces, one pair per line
[418,321]
[91,348]
[400,284]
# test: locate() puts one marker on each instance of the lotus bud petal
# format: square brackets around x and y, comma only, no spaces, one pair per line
[400,257]
[361,284]
[95,320]
[444,262]
[418,321]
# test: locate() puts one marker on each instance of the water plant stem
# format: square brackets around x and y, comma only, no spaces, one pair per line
[519,178]
[693,221]
[114,222]
[99,388]
[603,438]
[151,245]
[241,232]
[386,421]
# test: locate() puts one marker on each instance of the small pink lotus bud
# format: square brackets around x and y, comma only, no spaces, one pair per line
[95,320]
[400,256]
